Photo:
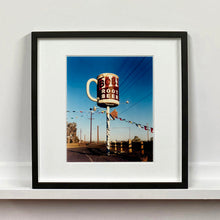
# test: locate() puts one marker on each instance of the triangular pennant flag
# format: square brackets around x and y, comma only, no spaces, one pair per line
[114,114]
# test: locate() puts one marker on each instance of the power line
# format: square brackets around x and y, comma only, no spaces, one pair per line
[131,72]
[126,68]
[137,73]
[136,103]
[123,65]
[129,86]
[131,83]
[141,70]
[134,69]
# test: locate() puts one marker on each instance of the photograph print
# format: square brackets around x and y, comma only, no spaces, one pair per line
[109,116]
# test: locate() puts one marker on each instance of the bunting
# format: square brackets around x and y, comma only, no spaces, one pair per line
[146,128]
[137,124]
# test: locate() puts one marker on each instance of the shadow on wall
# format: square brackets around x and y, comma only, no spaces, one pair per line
[20,139]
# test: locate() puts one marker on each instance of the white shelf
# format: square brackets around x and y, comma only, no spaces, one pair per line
[205,184]
[151,194]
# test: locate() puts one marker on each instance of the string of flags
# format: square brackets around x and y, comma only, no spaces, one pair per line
[81,115]
[76,111]
[137,124]
[118,118]
[86,111]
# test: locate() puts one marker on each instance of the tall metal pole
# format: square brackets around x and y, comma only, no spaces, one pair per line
[108,129]
[97,134]
[91,128]
[148,139]
[80,135]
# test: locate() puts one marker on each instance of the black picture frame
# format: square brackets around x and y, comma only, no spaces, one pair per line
[131,185]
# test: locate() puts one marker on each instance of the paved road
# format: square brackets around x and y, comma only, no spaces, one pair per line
[96,153]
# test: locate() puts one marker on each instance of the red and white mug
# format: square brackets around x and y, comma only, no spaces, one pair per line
[107,90]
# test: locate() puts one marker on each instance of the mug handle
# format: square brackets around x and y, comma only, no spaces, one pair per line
[87,89]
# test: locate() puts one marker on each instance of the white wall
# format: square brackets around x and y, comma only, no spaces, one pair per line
[199,18]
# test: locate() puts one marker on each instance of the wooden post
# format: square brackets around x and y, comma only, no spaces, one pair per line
[115,146]
[142,147]
[122,150]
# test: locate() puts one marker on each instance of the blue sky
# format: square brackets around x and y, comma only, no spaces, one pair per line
[135,85]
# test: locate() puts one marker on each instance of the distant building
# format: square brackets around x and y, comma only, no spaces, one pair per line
[71,133]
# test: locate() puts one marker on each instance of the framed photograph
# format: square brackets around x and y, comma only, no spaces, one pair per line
[109,110]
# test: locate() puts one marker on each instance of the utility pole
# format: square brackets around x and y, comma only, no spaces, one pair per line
[80,135]
[129,133]
[84,138]
[148,139]
[97,134]
[91,127]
